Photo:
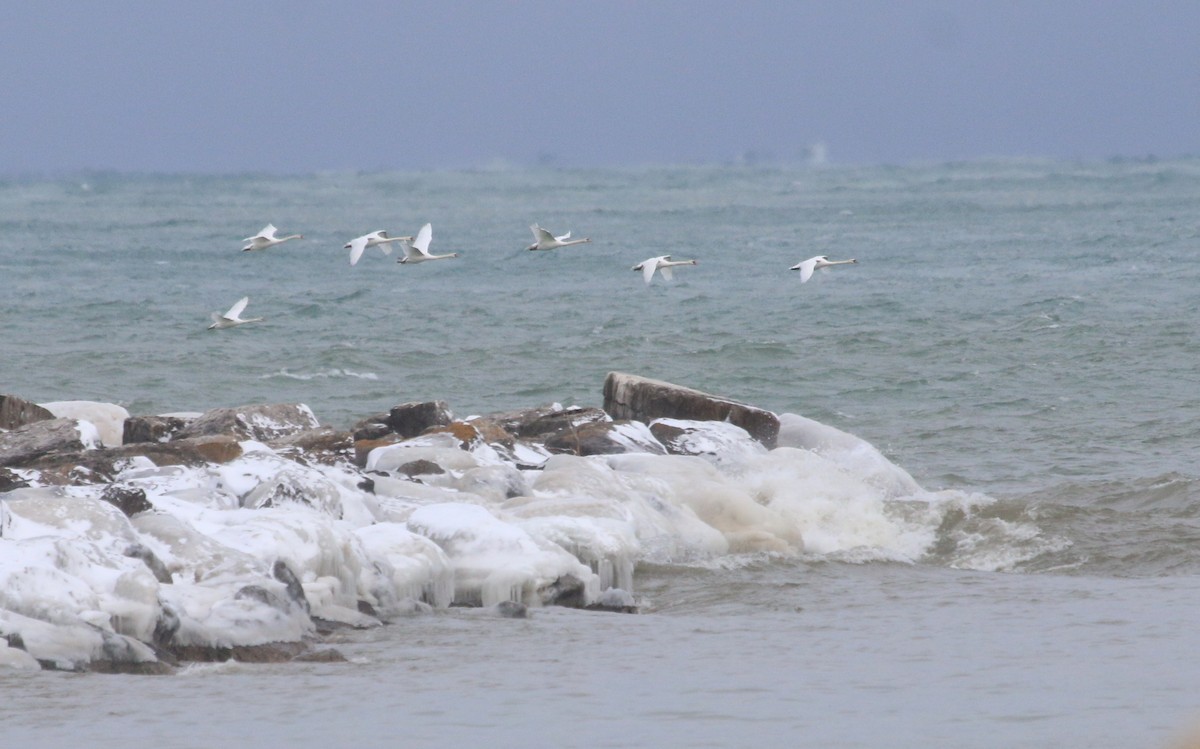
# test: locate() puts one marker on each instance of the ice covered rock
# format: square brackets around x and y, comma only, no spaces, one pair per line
[404,567]
[23,445]
[494,482]
[17,412]
[14,656]
[605,438]
[443,449]
[616,600]
[546,421]
[323,445]
[493,560]
[10,480]
[78,646]
[717,441]
[257,422]
[103,465]
[852,453]
[643,399]
[108,418]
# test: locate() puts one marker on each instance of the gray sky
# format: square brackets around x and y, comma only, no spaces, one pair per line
[239,85]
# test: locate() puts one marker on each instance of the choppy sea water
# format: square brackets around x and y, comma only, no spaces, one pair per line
[1023,331]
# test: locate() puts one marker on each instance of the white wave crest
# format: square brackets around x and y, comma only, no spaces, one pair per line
[325,374]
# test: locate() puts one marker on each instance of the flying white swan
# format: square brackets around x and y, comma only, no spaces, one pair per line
[266,238]
[233,316]
[544,240]
[378,239]
[807,267]
[417,250]
[662,264]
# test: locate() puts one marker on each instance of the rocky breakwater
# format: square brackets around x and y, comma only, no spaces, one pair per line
[250,532]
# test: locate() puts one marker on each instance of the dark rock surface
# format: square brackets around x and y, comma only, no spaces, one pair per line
[17,412]
[411,419]
[642,399]
[152,428]
[128,499]
[10,481]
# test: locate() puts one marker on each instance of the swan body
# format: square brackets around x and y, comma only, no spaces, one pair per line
[233,317]
[544,240]
[266,238]
[378,239]
[662,264]
[807,267]
[417,250]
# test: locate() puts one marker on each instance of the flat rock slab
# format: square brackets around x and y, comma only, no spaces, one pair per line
[546,421]
[27,443]
[642,399]
[259,422]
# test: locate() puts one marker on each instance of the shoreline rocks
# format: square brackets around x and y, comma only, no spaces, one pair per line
[307,527]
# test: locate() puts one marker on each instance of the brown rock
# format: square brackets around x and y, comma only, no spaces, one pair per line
[411,419]
[629,396]
[323,444]
[272,652]
[545,421]
[326,655]
[474,432]
[17,412]
[371,428]
[258,422]
[420,467]
[100,466]
[151,428]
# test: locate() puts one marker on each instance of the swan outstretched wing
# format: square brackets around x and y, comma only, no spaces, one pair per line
[357,246]
[540,235]
[648,268]
[667,273]
[237,309]
[806,268]
[421,243]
